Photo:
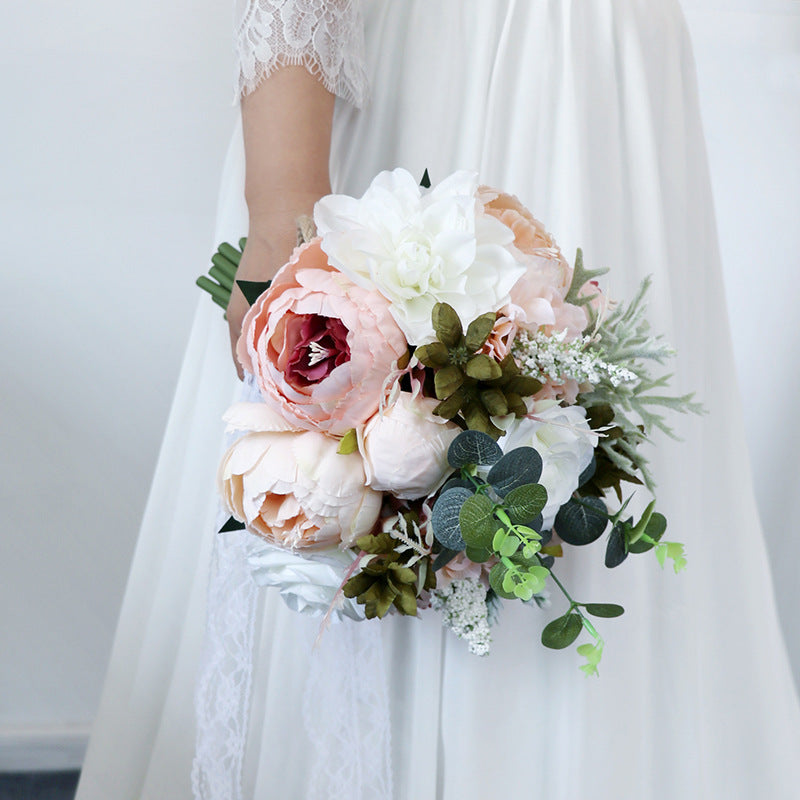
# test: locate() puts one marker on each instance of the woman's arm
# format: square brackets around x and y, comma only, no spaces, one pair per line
[287,136]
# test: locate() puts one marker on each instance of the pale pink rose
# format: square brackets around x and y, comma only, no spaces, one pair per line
[291,487]
[566,391]
[405,447]
[461,567]
[319,346]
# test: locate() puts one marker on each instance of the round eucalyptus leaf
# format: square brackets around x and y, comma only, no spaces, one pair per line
[460,482]
[655,529]
[562,632]
[607,610]
[548,561]
[478,554]
[444,518]
[477,521]
[496,576]
[521,466]
[583,521]
[524,503]
[546,535]
[617,549]
[473,447]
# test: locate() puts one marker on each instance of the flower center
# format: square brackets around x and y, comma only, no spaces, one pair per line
[417,267]
[319,345]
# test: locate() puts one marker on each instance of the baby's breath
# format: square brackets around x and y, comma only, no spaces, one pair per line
[544,357]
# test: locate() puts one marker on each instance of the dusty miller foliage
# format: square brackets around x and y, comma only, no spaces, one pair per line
[624,337]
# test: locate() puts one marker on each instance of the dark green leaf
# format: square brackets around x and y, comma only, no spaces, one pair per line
[446,324]
[450,407]
[494,401]
[655,529]
[432,355]
[496,576]
[582,521]
[444,518]
[447,380]
[607,610]
[483,368]
[472,448]
[252,290]
[477,521]
[425,183]
[232,524]
[462,482]
[562,632]
[477,419]
[617,548]
[478,554]
[478,331]
[524,503]
[523,385]
[444,558]
[521,466]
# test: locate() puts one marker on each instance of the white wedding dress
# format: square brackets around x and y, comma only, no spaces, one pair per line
[587,110]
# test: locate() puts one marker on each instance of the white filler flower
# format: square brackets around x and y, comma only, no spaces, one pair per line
[419,247]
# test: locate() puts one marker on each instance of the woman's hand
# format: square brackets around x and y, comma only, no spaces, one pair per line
[286,123]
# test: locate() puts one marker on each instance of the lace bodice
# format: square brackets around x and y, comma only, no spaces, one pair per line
[325,36]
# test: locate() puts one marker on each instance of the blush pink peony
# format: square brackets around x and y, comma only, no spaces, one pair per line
[537,298]
[291,487]
[319,346]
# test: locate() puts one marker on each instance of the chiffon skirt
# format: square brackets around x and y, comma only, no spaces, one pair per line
[587,110]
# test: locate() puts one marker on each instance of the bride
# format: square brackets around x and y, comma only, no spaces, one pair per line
[586,110]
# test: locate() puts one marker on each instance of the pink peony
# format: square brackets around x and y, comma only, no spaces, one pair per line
[319,346]
[461,567]
[537,298]
[291,487]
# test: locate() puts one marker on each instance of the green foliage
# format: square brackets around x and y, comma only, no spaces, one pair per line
[522,466]
[607,610]
[580,277]
[472,386]
[477,521]
[582,520]
[472,448]
[224,264]
[445,518]
[624,338]
[673,551]
[348,443]
[562,632]
[390,578]
[592,653]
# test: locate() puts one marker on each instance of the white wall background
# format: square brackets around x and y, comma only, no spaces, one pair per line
[115,120]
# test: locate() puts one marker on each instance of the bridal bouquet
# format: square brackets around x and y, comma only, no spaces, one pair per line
[445,408]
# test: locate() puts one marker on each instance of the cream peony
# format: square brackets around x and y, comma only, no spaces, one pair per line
[563,439]
[405,447]
[419,247]
[291,487]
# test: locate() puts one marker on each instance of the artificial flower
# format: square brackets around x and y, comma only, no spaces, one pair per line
[320,346]
[292,487]
[405,447]
[420,247]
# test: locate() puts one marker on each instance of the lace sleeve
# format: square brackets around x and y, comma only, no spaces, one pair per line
[325,36]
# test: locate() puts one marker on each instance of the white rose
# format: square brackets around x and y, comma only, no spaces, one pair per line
[405,447]
[292,487]
[563,439]
[306,584]
[419,247]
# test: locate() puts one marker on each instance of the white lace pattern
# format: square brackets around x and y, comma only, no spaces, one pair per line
[325,36]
